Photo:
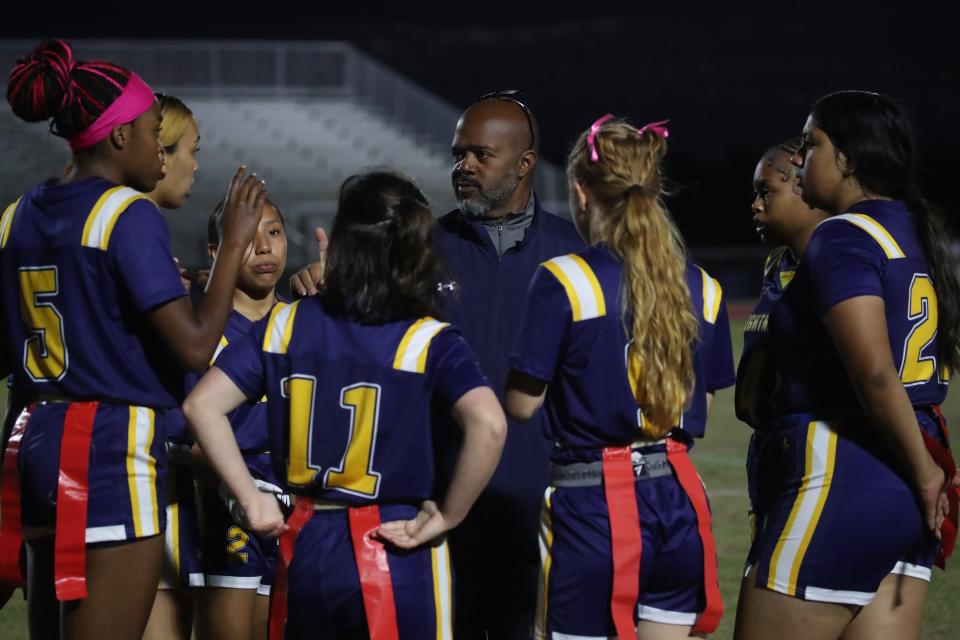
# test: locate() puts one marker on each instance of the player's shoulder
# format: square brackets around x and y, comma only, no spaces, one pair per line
[119,211]
[864,228]
[417,339]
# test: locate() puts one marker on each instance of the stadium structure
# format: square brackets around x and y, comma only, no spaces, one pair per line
[304,115]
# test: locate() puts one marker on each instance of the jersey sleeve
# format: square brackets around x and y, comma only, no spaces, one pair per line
[454,366]
[140,252]
[243,361]
[843,262]
[719,362]
[544,326]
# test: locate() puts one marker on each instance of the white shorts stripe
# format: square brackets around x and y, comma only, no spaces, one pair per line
[917,571]
[663,616]
[141,469]
[858,598]
[233,582]
[808,505]
[444,590]
[112,533]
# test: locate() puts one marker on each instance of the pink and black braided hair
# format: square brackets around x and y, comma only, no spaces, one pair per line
[49,83]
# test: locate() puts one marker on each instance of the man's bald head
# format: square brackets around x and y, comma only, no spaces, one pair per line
[506,120]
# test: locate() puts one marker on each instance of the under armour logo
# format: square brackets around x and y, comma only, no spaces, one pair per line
[447,286]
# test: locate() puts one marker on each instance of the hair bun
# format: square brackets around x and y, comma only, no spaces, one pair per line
[41,84]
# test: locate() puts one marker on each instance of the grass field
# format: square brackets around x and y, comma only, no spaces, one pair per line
[720,460]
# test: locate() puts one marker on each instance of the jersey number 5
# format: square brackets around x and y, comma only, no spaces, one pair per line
[44,351]
[355,474]
[915,368]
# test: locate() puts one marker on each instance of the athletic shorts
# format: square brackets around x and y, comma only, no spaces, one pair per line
[577,564]
[324,597]
[837,516]
[181,558]
[126,466]
[234,557]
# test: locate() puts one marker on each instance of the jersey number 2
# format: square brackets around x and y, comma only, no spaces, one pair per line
[915,367]
[355,474]
[44,352]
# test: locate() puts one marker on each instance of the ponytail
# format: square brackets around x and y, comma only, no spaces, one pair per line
[656,309]
[381,265]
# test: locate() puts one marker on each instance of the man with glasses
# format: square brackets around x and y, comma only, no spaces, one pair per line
[493,243]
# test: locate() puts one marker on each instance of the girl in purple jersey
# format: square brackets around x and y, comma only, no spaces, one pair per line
[172,615]
[89,257]
[870,490]
[606,345]
[361,333]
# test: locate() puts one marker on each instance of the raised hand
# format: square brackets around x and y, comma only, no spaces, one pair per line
[308,280]
[242,208]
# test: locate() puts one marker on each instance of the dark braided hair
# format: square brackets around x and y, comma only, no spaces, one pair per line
[381,266]
[49,83]
[874,133]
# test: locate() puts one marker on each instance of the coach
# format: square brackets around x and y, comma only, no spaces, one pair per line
[493,242]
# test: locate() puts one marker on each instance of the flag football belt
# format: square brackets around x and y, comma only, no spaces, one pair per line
[376,586]
[70,545]
[646,466]
[626,540]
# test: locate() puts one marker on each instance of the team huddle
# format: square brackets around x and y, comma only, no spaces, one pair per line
[471,426]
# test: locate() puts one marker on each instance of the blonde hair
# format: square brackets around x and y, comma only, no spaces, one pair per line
[176,117]
[625,186]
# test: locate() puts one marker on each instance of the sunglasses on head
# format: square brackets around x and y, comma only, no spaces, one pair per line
[515,96]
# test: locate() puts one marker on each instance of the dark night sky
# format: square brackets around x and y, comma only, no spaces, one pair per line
[734,78]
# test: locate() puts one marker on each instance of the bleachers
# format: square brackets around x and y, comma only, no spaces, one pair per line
[303,115]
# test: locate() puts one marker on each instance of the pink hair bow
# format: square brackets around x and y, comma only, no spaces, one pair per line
[592,136]
[656,127]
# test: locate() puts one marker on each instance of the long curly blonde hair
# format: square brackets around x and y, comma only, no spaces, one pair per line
[624,185]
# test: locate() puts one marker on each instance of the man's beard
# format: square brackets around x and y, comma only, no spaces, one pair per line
[488,200]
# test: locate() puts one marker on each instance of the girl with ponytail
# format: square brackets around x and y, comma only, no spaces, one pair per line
[351,376]
[96,333]
[625,344]
[856,478]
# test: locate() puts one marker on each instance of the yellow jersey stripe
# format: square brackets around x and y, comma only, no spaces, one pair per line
[6,222]
[103,217]
[220,347]
[876,231]
[280,327]
[581,285]
[142,472]
[414,347]
[787,558]
[712,294]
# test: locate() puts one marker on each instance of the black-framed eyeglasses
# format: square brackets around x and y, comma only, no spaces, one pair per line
[515,96]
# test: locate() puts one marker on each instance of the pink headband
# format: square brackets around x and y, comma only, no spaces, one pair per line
[135,99]
[655,127]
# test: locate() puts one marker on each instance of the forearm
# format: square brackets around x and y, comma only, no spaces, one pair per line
[475,465]
[219,448]
[210,316]
[888,407]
